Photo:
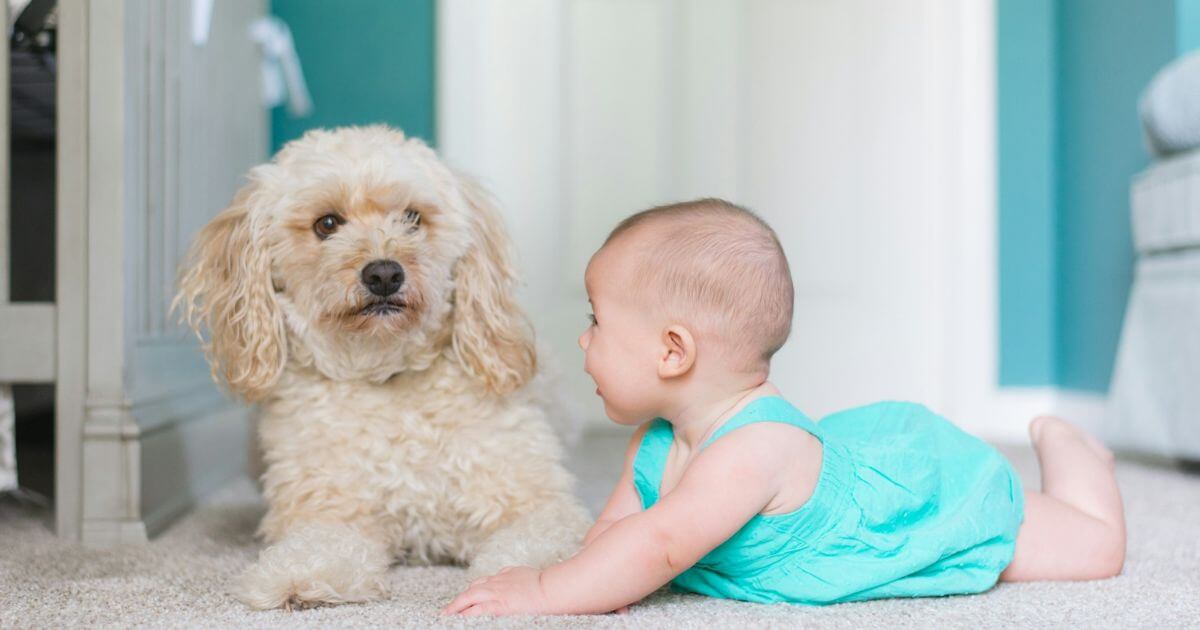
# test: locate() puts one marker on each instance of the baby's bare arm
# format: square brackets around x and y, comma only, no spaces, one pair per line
[727,484]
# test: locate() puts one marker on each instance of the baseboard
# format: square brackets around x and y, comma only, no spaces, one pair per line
[184,460]
[1086,409]
[1005,416]
[105,534]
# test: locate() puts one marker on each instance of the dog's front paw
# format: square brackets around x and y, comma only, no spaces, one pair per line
[316,565]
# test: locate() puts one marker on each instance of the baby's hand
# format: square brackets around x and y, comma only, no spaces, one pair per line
[512,591]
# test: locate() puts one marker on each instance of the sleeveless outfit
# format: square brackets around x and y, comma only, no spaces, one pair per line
[906,505]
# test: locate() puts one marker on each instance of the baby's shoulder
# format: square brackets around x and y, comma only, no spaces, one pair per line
[766,444]
[781,456]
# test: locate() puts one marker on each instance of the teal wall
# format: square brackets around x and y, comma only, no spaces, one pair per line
[1069,75]
[1026,129]
[1108,51]
[365,61]
[1188,25]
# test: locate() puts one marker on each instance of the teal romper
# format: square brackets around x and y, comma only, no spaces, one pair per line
[906,505]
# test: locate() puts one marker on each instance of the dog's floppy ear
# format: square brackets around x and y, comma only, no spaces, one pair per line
[227,288]
[491,338]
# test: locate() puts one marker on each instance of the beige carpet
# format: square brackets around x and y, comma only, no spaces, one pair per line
[180,579]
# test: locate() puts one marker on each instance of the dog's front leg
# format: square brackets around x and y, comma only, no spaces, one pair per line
[550,532]
[314,564]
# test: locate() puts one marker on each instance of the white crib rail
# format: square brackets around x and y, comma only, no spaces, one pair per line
[27,329]
[8,455]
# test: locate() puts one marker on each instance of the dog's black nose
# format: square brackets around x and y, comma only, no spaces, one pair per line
[383,277]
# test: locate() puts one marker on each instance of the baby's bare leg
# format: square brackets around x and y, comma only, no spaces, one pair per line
[1074,528]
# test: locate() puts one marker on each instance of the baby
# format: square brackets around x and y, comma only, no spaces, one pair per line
[730,491]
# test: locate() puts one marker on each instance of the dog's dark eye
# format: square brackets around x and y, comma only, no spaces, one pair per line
[414,218]
[326,226]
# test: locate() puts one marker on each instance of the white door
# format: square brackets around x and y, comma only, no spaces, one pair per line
[848,125]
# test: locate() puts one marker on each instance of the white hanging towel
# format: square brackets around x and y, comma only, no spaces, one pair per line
[282,77]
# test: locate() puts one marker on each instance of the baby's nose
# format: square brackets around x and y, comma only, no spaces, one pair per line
[583,341]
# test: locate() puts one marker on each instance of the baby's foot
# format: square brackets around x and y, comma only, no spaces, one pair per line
[1046,429]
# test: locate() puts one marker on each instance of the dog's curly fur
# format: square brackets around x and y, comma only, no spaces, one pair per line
[418,432]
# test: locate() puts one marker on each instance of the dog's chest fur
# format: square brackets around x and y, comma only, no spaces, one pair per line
[421,460]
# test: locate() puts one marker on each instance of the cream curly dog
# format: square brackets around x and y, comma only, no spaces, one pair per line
[361,292]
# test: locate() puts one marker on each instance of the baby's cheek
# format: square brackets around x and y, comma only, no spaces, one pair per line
[594,363]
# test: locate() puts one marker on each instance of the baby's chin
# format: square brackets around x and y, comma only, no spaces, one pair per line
[621,418]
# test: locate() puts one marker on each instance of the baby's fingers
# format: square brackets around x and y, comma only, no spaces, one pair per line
[480,610]
[468,598]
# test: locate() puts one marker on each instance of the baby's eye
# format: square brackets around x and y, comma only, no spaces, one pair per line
[591,319]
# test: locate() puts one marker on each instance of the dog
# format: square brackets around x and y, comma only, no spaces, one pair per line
[361,292]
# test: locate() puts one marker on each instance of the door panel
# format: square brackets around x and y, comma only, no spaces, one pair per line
[155,135]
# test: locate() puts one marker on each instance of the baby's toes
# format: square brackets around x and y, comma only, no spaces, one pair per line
[1037,426]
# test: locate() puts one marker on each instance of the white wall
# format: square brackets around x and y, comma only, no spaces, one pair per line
[862,131]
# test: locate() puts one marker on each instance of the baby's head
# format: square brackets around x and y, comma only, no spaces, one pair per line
[693,291]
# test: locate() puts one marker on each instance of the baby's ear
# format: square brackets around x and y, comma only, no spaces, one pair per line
[678,352]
